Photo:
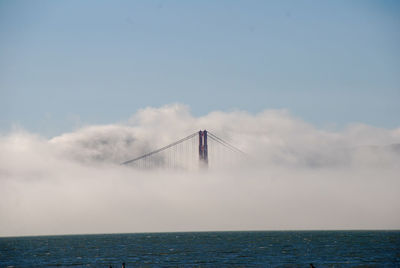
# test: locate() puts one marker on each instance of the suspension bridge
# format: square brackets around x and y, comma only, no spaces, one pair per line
[201,149]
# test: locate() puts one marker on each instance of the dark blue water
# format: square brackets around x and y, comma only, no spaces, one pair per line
[206,249]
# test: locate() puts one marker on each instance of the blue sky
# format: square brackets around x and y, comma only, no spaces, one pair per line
[65,63]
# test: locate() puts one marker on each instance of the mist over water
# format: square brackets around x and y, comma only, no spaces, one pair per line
[297,176]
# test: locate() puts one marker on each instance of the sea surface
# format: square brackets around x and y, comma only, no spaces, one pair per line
[206,249]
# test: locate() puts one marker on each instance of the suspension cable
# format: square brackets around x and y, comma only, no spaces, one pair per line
[226,144]
[161,149]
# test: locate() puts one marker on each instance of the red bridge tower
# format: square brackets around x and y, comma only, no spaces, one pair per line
[203,149]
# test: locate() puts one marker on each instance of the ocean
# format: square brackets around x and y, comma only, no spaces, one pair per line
[206,249]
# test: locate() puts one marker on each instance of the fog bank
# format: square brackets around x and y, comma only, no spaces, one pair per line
[298,177]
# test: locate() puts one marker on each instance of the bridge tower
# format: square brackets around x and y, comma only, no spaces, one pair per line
[203,148]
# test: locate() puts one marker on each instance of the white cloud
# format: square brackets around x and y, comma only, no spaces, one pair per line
[301,177]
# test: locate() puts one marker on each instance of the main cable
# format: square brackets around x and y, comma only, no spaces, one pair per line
[161,149]
[226,144]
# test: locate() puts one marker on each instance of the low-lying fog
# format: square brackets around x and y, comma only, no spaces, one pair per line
[297,177]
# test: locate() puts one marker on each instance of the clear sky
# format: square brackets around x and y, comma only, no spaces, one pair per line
[64,63]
